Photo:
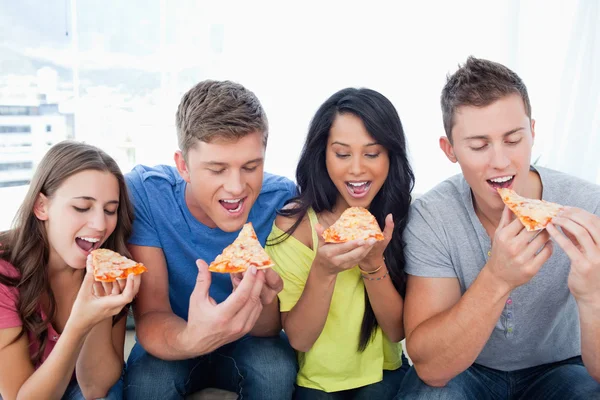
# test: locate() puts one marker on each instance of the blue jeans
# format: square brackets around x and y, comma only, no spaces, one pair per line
[385,389]
[73,391]
[561,380]
[254,368]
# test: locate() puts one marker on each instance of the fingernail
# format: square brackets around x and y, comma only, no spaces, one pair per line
[372,242]
[253,270]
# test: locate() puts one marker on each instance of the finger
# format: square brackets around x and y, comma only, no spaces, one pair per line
[129,291]
[542,256]
[98,289]
[336,249]
[116,288]
[122,283]
[236,301]
[509,225]
[569,248]
[535,245]
[525,238]
[108,286]
[252,318]
[273,280]
[203,281]
[353,257]
[578,232]
[589,221]
[389,229]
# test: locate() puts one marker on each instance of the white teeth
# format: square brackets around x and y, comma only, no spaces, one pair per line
[231,201]
[89,239]
[357,183]
[502,179]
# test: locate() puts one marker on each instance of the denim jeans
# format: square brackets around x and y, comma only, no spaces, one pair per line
[73,391]
[561,380]
[385,389]
[254,368]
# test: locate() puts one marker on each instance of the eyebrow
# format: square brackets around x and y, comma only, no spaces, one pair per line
[93,199]
[347,145]
[222,164]
[485,137]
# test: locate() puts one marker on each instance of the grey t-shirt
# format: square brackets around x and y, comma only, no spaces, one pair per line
[540,322]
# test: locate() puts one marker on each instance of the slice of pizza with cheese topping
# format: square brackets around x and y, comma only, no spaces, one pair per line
[109,266]
[245,252]
[354,223]
[533,214]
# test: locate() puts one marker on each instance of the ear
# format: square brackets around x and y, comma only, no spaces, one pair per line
[447,148]
[533,131]
[40,208]
[182,166]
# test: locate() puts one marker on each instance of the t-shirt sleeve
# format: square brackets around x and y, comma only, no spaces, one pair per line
[292,265]
[144,231]
[9,316]
[425,250]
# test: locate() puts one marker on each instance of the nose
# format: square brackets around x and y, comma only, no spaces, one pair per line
[356,166]
[98,220]
[234,184]
[499,159]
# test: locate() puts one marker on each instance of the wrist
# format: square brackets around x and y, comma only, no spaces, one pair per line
[495,284]
[588,306]
[370,267]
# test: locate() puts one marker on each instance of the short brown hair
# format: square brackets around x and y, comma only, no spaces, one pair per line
[479,83]
[218,109]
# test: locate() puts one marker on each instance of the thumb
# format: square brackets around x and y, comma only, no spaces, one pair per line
[203,279]
[389,228]
[88,280]
[321,241]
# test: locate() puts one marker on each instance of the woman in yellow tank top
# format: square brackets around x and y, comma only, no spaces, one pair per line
[342,304]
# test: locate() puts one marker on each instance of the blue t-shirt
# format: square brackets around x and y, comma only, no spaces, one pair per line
[162,219]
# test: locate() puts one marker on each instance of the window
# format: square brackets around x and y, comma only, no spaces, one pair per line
[9,129]
[16,166]
[48,128]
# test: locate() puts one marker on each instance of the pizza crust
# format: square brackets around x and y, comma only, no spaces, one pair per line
[110,266]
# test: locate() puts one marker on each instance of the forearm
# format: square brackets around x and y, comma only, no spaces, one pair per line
[99,366]
[387,304]
[51,379]
[589,319]
[269,322]
[448,343]
[161,334]
[305,322]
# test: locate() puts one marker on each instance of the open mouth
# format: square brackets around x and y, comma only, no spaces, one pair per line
[501,182]
[87,243]
[233,206]
[358,189]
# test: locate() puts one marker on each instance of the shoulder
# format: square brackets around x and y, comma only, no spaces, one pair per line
[142,175]
[447,195]
[570,190]
[276,184]
[303,231]
[8,294]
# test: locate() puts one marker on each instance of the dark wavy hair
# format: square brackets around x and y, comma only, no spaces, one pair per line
[317,191]
[26,245]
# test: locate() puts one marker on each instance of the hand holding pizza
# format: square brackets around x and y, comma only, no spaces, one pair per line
[334,258]
[97,301]
[211,325]
[517,254]
[581,242]
[273,284]
[374,258]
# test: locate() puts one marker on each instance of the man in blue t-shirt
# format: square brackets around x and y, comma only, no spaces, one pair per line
[193,330]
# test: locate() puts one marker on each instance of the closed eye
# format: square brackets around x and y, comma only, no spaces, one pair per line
[81,210]
[514,142]
[108,212]
[338,155]
[479,148]
[217,171]
[250,169]
[372,155]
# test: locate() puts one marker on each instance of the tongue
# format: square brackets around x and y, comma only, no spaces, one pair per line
[358,189]
[230,206]
[84,244]
[501,184]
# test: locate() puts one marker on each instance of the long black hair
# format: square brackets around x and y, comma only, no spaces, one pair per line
[318,192]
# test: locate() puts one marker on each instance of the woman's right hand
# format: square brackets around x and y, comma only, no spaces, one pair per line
[334,258]
[97,301]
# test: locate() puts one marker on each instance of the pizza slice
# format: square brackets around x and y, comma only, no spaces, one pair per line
[354,223]
[109,266]
[533,214]
[243,253]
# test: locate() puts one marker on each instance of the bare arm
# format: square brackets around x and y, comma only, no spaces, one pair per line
[444,331]
[581,242]
[19,379]
[209,325]
[100,362]
[304,323]
[157,328]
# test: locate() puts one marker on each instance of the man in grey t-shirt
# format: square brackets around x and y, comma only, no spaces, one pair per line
[493,311]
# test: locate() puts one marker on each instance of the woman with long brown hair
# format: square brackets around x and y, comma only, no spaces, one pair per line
[61,333]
